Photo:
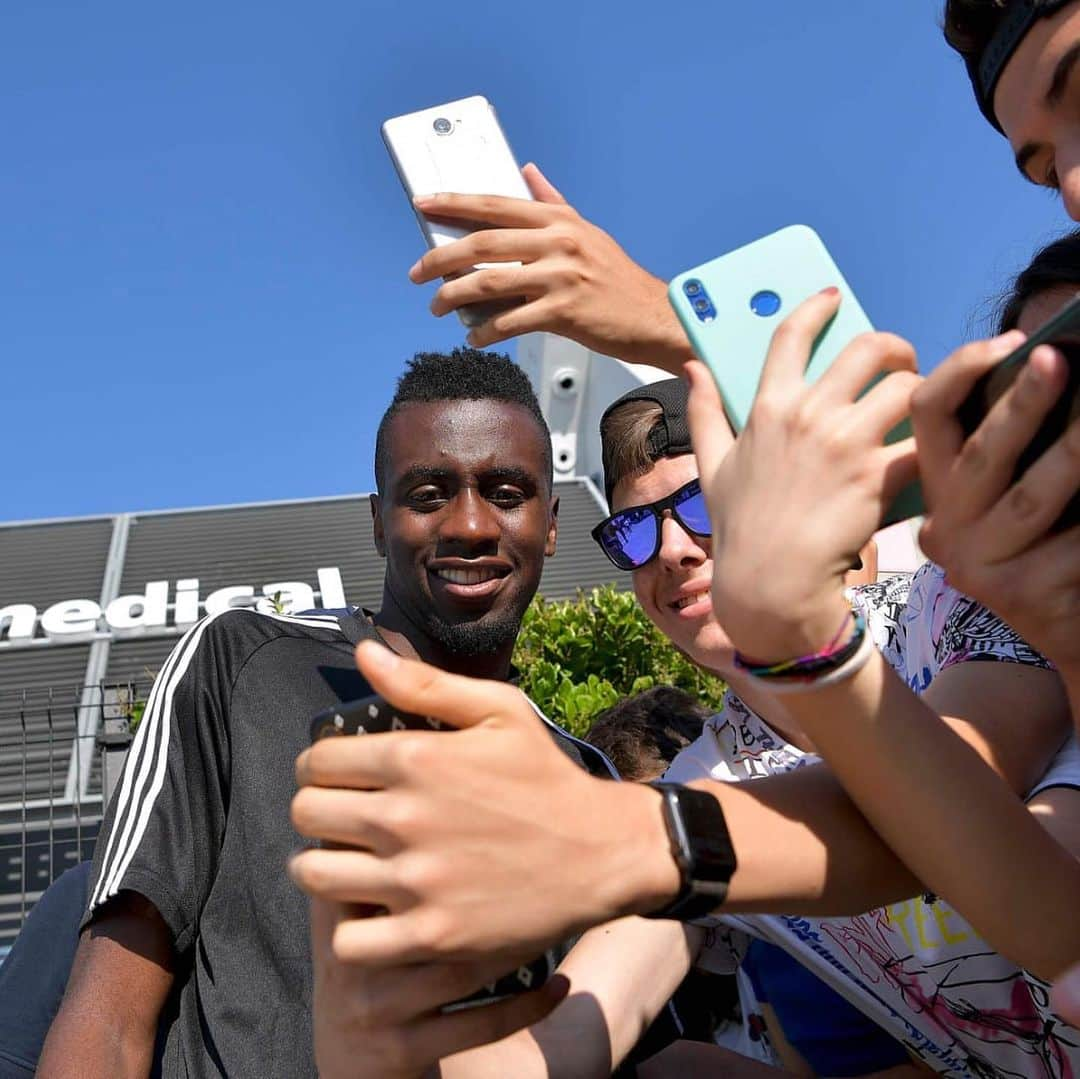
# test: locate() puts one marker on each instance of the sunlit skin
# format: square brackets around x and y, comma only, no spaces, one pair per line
[1037,103]
[681,571]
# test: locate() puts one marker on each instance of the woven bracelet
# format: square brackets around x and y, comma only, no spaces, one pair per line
[833,655]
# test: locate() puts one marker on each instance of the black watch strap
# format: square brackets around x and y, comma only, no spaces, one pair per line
[702,850]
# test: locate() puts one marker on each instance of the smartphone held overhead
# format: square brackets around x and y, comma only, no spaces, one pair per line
[731,306]
[456,148]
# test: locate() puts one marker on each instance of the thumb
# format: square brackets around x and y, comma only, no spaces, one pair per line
[417,687]
[710,432]
[543,190]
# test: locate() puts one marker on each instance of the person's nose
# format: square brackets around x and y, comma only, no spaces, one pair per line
[471,521]
[678,548]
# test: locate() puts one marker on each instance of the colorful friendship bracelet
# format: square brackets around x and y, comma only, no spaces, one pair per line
[807,667]
[851,666]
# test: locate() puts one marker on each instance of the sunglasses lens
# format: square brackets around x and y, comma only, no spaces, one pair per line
[630,538]
[693,512]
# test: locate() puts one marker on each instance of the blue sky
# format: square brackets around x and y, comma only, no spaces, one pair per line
[203,292]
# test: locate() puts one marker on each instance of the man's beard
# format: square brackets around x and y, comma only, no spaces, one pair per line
[476,638]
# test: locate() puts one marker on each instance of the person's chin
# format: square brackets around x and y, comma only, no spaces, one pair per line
[700,638]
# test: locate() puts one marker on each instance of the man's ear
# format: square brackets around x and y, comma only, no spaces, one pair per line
[377,525]
[553,527]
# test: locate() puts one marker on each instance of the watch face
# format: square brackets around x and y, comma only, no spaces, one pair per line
[706,829]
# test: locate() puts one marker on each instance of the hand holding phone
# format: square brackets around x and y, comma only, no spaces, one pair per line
[1063,332]
[375,715]
[456,148]
[731,306]
[794,499]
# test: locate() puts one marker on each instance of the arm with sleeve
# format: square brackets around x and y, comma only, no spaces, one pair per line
[154,860]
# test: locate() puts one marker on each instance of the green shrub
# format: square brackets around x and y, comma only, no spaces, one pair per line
[578,657]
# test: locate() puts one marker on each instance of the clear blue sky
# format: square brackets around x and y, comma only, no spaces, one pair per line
[203,246]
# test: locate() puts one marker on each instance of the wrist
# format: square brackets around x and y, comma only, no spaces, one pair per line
[645,875]
[659,339]
[799,630]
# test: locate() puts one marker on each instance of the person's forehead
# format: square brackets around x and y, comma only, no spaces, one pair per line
[1028,74]
[465,435]
[1043,306]
[666,475]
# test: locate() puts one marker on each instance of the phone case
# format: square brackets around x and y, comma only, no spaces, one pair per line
[458,147]
[375,715]
[368,715]
[749,292]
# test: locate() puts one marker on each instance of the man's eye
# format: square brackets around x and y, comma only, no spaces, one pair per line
[507,496]
[426,496]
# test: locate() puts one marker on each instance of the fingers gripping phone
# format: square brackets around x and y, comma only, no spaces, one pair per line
[1063,332]
[730,308]
[455,148]
[375,715]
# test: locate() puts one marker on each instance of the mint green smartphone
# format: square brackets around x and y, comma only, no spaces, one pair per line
[730,308]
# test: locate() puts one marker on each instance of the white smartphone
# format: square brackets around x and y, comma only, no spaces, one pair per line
[460,148]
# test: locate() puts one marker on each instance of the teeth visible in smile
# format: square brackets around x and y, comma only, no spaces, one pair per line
[679,604]
[467,576]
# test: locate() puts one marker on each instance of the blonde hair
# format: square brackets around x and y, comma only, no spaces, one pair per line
[624,438]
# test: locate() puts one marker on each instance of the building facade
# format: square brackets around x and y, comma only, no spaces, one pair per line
[90,608]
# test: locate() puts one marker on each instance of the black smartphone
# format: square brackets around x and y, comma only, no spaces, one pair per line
[1063,332]
[375,715]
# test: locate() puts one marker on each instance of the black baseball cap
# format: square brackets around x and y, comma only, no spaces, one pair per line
[985,69]
[670,436]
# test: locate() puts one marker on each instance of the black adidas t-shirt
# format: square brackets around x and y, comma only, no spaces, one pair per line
[199,825]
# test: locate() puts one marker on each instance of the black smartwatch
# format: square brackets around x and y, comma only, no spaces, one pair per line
[702,850]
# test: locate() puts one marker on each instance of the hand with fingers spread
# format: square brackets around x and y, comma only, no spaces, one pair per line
[384,1022]
[806,483]
[471,839]
[991,535]
[575,279]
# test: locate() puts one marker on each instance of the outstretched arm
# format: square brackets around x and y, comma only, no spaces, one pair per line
[487,840]
[576,280]
[121,977]
[621,976]
[816,455]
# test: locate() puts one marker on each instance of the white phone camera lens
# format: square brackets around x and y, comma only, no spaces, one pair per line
[443,126]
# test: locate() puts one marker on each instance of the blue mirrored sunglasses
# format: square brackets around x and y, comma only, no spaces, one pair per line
[631,537]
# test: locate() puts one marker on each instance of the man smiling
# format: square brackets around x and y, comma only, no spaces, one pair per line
[465,514]
[195,938]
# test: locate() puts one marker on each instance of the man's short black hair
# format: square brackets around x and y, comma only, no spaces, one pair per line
[465,374]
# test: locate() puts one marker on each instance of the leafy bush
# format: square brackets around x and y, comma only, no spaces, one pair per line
[578,657]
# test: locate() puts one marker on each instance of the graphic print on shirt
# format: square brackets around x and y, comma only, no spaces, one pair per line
[916,967]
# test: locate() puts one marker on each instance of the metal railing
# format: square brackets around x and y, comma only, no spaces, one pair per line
[45,827]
